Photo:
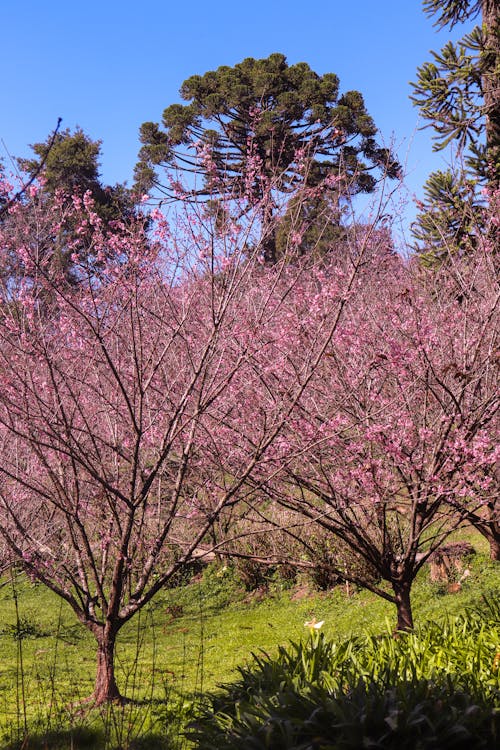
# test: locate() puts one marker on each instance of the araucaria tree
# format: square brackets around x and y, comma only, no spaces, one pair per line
[458,93]
[115,402]
[258,129]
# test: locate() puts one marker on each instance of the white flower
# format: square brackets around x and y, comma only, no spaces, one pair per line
[314,624]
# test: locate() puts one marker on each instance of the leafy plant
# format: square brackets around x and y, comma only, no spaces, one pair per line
[435,688]
[23,628]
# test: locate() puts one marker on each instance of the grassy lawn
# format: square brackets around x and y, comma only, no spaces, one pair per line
[189,640]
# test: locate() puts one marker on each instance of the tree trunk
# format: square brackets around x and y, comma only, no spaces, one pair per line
[490,529]
[494,541]
[106,689]
[491,84]
[269,248]
[403,605]
[268,240]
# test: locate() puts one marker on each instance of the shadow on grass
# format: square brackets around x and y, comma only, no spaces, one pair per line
[85,739]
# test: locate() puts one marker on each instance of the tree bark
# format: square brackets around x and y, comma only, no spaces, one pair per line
[106,690]
[403,605]
[269,247]
[491,84]
[494,541]
[489,527]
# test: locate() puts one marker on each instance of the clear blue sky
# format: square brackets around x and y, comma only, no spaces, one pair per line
[108,66]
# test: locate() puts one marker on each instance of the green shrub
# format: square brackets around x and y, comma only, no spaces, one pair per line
[436,688]
[219,586]
[23,628]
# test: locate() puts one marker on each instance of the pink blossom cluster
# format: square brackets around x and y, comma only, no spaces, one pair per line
[169,381]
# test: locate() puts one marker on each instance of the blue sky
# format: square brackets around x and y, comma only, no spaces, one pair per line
[108,66]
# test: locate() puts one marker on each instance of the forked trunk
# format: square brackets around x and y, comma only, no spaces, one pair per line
[106,689]
[403,605]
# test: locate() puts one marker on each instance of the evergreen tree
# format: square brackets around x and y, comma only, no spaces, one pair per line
[452,215]
[69,163]
[310,227]
[66,165]
[459,94]
[265,126]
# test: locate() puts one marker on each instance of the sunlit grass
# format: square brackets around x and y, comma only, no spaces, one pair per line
[189,640]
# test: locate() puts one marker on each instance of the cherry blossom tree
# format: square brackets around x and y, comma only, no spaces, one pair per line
[474,285]
[117,410]
[183,384]
[395,442]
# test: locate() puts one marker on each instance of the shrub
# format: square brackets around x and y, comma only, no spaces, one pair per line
[330,555]
[23,628]
[435,688]
[219,586]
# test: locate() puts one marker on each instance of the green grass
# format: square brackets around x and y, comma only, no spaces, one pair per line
[190,639]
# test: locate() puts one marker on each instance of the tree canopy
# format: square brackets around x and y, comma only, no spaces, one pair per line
[264,125]
[66,167]
[69,162]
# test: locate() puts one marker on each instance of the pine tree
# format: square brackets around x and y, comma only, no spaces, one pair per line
[452,216]
[66,166]
[459,94]
[69,163]
[260,121]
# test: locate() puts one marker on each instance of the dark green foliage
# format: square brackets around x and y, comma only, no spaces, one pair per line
[425,717]
[451,12]
[310,227]
[458,93]
[25,627]
[80,738]
[71,162]
[71,165]
[452,216]
[66,166]
[219,587]
[449,94]
[268,126]
[436,688]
